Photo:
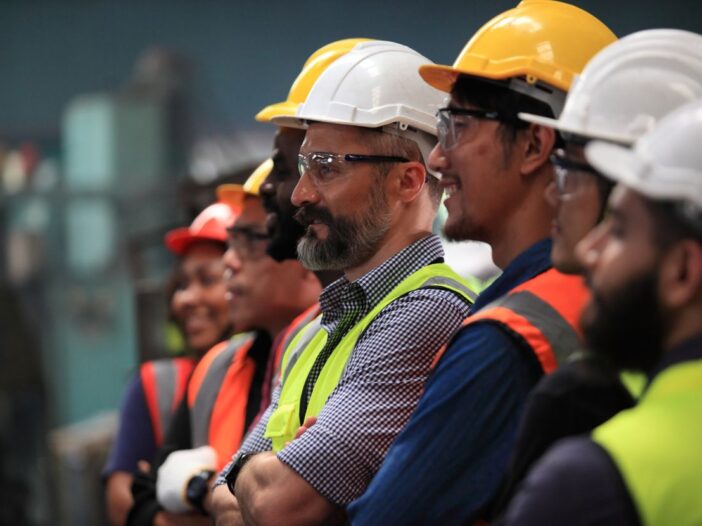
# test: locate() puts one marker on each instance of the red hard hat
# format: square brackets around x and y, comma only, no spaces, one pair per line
[210,225]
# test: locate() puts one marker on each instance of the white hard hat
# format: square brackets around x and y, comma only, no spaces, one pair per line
[631,84]
[375,85]
[665,164]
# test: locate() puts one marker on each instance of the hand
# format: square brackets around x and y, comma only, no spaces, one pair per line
[309,422]
[175,473]
[224,507]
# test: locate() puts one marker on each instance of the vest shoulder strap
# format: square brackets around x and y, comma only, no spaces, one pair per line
[209,374]
[164,383]
[303,337]
[544,312]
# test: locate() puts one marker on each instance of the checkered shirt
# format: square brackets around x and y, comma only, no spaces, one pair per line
[382,381]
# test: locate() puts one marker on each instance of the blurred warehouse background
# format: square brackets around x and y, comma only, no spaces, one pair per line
[117,120]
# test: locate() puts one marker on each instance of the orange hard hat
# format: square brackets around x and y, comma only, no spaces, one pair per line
[210,225]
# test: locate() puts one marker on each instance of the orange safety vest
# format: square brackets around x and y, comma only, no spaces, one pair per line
[544,312]
[218,395]
[164,382]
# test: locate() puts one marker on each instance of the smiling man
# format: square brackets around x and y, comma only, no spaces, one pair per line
[495,169]
[367,204]
[226,390]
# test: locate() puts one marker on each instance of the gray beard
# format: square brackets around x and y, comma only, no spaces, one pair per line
[351,241]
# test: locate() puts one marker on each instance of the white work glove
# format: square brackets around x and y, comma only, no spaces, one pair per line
[175,473]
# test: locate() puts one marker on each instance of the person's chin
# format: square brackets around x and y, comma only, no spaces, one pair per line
[563,258]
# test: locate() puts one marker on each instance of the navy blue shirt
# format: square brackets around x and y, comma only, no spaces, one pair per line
[447,463]
[135,439]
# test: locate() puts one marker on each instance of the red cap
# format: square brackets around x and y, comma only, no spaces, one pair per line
[210,225]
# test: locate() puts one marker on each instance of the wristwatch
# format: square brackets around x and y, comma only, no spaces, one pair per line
[196,490]
[236,469]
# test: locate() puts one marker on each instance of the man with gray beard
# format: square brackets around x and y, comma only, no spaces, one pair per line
[351,378]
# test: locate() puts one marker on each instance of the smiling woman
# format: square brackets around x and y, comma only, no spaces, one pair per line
[199,307]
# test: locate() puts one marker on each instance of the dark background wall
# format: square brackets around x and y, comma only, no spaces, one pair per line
[245,53]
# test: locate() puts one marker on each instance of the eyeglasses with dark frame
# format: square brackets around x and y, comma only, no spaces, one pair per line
[457,125]
[568,174]
[248,242]
[324,167]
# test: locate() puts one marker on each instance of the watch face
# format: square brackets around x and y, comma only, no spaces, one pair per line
[197,488]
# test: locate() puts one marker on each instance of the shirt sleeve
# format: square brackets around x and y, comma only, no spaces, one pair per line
[135,436]
[576,483]
[449,460]
[376,395]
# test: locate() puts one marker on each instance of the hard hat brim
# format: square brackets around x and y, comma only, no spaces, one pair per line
[621,165]
[279,109]
[180,239]
[541,120]
[232,194]
[444,77]
[439,77]
[564,128]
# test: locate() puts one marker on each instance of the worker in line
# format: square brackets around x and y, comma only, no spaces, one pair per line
[284,161]
[227,387]
[199,308]
[495,169]
[623,91]
[367,203]
[276,190]
[644,267]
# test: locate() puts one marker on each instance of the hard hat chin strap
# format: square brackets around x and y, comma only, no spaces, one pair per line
[424,141]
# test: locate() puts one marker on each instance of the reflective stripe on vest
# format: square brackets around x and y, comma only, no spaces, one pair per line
[295,327]
[656,447]
[306,346]
[544,311]
[164,383]
[218,396]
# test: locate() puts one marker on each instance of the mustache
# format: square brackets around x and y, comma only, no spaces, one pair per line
[309,213]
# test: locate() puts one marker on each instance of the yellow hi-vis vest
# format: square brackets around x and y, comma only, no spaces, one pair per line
[657,447]
[302,353]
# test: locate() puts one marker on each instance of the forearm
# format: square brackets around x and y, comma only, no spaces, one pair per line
[254,481]
[119,497]
[270,493]
[224,507]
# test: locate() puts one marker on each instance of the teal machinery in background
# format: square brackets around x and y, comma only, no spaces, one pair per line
[118,185]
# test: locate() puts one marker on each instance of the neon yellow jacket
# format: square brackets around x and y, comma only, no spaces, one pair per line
[657,447]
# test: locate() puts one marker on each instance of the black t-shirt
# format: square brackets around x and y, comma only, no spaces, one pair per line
[573,400]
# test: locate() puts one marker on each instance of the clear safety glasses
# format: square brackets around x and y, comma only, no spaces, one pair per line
[324,168]
[569,174]
[457,125]
[248,243]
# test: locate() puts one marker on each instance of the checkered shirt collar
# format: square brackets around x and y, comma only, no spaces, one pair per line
[373,286]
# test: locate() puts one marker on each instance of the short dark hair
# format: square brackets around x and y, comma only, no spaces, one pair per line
[395,145]
[495,95]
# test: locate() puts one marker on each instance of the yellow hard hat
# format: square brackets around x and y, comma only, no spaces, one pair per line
[311,70]
[234,194]
[542,40]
